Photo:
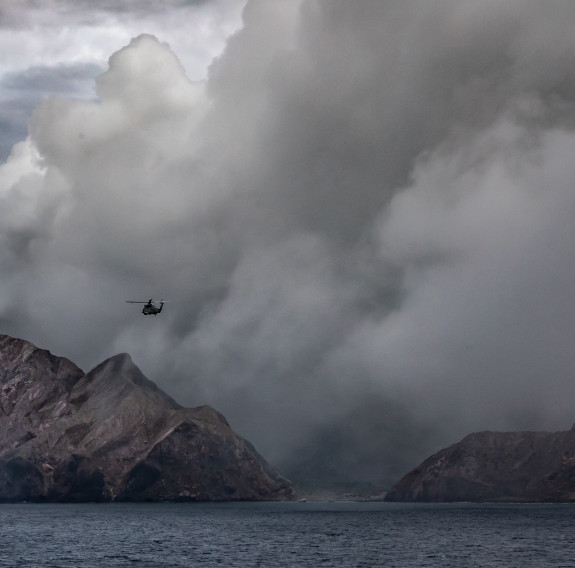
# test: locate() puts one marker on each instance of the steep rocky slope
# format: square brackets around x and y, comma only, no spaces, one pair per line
[112,434]
[496,466]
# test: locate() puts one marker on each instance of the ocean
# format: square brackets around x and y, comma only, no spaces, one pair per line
[308,534]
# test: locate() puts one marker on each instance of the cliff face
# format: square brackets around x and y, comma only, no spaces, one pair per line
[496,466]
[112,434]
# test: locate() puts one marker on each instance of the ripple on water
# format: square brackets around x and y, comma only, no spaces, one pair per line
[286,535]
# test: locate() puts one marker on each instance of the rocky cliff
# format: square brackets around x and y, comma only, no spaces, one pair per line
[496,466]
[113,435]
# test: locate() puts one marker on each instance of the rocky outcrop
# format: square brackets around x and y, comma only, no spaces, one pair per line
[496,466]
[113,435]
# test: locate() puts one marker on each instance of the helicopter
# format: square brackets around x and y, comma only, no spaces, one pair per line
[150,307]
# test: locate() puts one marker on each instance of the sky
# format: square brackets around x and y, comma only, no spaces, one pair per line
[361,215]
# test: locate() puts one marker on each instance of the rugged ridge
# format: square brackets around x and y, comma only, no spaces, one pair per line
[496,466]
[113,435]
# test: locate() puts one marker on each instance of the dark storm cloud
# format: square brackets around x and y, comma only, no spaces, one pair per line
[25,12]
[363,219]
[21,92]
[66,79]
[13,124]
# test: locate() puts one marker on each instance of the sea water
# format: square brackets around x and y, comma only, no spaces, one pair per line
[287,535]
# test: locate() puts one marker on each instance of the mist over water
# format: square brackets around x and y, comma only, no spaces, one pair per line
[362,218]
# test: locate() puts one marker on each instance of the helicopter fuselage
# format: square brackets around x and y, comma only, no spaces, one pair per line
[152,310]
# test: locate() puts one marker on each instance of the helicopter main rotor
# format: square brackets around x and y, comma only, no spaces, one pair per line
[150,308]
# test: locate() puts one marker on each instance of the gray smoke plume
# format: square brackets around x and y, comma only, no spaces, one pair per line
[362,218]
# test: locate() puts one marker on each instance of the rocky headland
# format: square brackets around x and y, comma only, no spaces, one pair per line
[113,435]
[496,467]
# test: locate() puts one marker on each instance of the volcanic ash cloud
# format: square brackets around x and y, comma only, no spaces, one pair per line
[359,208]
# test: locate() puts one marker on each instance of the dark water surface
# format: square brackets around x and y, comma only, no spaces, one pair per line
[287,534]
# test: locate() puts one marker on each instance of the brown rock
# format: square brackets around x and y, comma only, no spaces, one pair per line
[496,466]
[112,434]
